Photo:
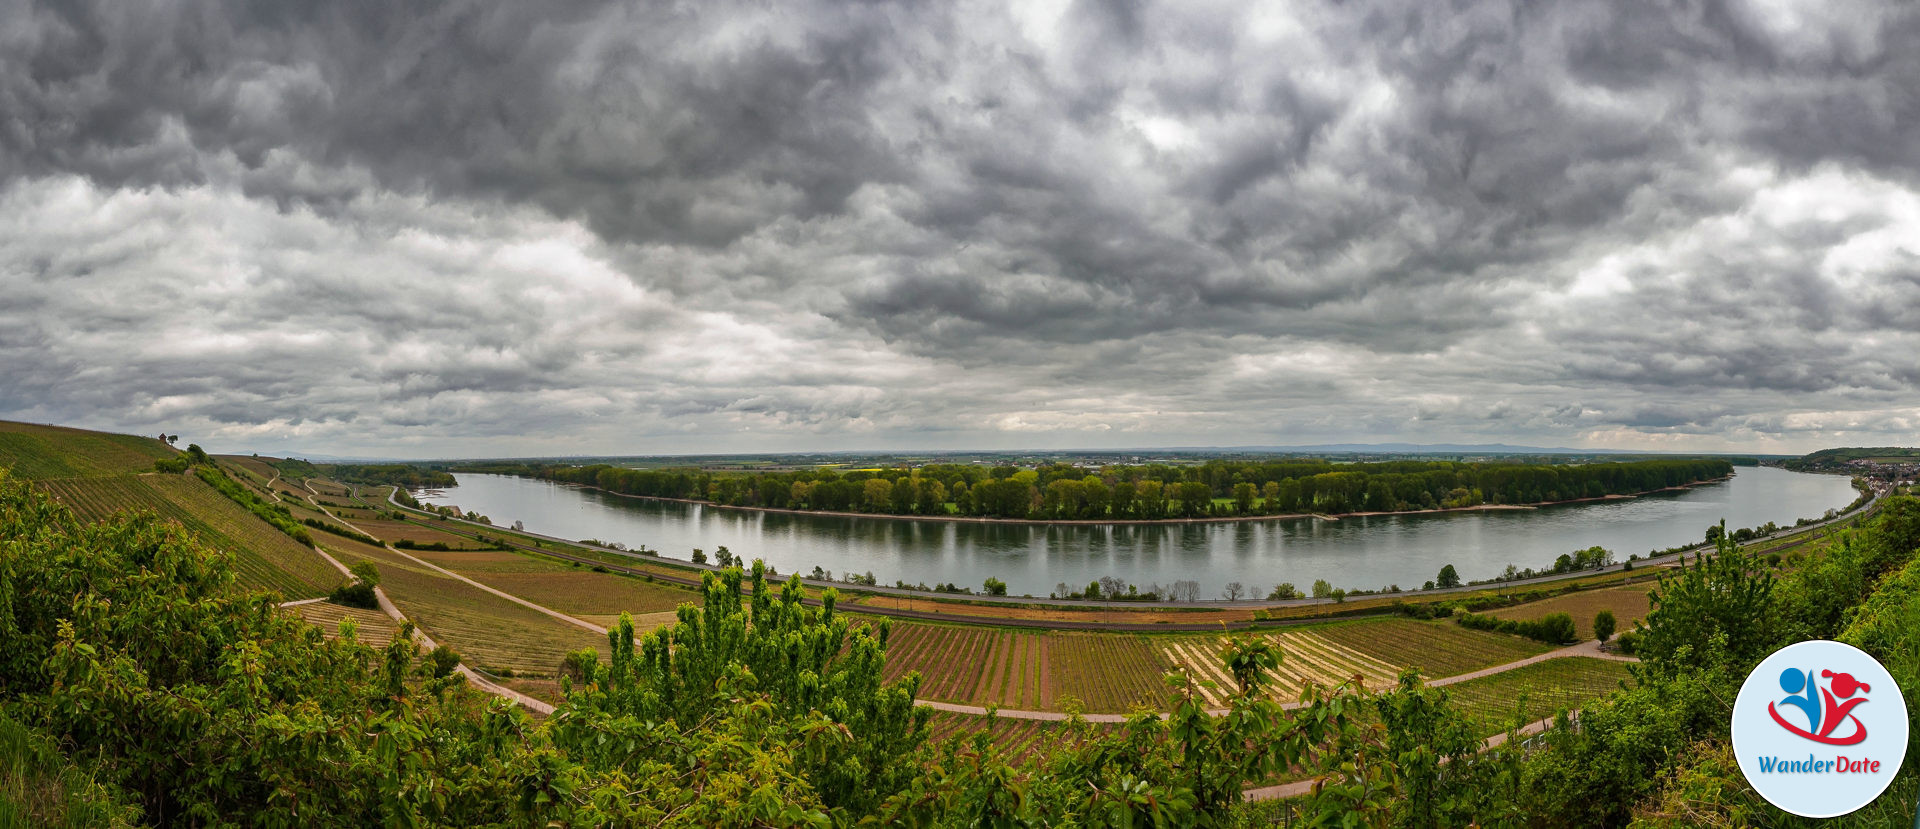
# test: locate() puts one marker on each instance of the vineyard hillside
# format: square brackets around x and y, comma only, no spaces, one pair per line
[99,474]
[41,453]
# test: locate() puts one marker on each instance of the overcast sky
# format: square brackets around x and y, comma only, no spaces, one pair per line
[512,228]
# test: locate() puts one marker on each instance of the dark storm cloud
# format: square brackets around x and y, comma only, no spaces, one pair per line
[758,224]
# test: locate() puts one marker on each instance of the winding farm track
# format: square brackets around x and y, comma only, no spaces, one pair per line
[473,678]
[419,634]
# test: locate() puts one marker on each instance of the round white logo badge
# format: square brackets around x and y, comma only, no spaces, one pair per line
[1820,728]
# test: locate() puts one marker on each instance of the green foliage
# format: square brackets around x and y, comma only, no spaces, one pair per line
[276,514]
[845,735]
[126,642]
[1603,625]
[406,476]
[441,661]
[1663,746]
[995,587]
[171,466]
[1449,577]
[338,530]
[358,590]
[40,788]
[1553,628]
[1720,597]
[1625,744]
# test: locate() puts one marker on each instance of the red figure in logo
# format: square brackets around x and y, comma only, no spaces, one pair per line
[1825,714]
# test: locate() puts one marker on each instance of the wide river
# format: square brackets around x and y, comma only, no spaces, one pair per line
[1353,553]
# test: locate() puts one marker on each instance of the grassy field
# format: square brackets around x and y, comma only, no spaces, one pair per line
[1438,648]
[1537,691]
[490,632]
[264,557]
[1628,603]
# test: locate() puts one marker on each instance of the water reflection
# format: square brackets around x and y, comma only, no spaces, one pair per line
[1370,552]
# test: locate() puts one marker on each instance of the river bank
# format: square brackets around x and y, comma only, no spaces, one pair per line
[1095,522]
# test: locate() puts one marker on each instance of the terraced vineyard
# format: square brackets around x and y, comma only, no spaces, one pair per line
[1305,657]
[1536,691]
[1109,673]
[45,452]
[264,557]
[252,467]
[375,628]
[1438,648]
[489,631]
[1018,738]
[391,531]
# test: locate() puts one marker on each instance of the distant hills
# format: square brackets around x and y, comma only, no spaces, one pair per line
[1423,449]
[1837,458]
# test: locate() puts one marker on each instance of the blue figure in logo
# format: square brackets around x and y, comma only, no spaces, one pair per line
[1793,681]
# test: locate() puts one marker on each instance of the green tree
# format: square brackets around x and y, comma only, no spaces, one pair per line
[1603,624]
[1244,495]
[1448,577]
[1715,610]
[1321,589]
[996,587]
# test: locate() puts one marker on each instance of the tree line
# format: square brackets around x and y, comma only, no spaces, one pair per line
[406,475]
[1144,492]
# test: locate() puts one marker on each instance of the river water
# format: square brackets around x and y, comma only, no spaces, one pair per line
[1370,552]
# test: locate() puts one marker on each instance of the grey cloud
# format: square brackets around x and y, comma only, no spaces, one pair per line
[932,219]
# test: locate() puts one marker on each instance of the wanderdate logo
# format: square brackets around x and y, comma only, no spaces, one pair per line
[1824,713]
[1800,705]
